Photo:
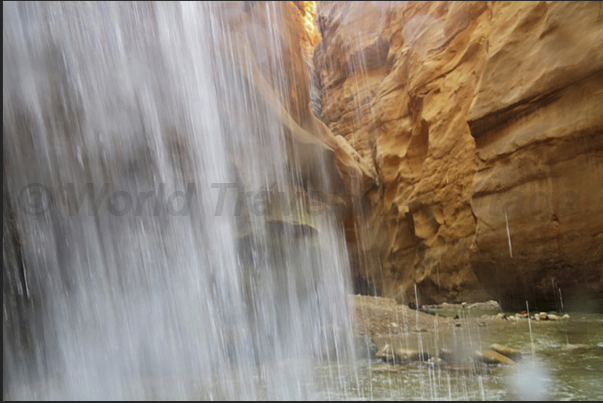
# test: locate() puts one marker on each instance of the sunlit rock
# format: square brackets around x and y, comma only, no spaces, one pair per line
[512,353]
[482,122]
[492,357]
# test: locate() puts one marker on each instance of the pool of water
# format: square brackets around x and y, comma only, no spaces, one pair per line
[561,361]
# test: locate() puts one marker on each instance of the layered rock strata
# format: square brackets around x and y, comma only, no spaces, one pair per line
[484,125]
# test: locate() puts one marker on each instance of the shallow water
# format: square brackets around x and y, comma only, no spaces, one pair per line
[560,369]
[567,365]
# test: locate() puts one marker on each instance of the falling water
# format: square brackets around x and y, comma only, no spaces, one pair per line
[509,236]
[530,328]
[172,220]
[194,294]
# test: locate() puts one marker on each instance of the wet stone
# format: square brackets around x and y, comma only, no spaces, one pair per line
[386,353]
[509,352]
[492,357]
[406,355]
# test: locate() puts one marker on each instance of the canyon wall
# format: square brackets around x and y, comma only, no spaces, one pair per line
[479,127]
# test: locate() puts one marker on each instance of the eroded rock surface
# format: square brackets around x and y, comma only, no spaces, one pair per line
[484,125]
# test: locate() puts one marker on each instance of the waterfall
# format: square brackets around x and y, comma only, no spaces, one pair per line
[164,235]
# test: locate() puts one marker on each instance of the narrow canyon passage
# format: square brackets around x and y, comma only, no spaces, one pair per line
[302,200]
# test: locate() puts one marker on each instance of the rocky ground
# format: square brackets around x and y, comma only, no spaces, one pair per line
[379,317]
[458,334]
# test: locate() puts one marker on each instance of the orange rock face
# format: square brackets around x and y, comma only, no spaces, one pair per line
[478,132]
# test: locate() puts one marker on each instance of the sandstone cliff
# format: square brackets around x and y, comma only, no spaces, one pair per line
[483,123]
